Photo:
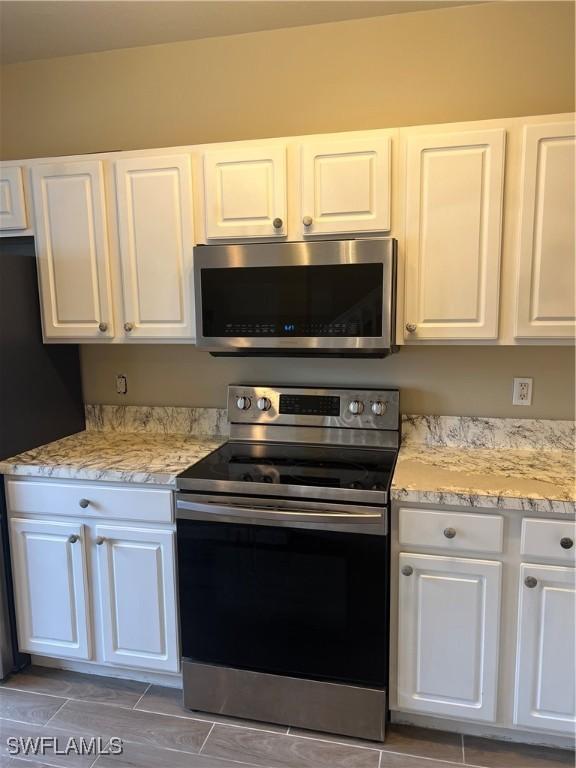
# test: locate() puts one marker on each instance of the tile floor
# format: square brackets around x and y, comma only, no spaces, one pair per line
[158,733]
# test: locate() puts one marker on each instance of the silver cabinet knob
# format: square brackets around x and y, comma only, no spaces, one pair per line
[378,408]
[102,327]
[73,539]
[411,327]
[277,223]
[243,403]
[566,542]
[530,582]
[356,407]
[264,404]
[407,570]
[100,540]
[84,503]
[128,327]
[449,533]
[307,221]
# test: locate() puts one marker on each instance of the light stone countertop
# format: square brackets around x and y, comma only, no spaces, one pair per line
[128,457]
[531,480]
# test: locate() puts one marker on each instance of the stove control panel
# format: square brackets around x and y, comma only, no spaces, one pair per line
[312,406]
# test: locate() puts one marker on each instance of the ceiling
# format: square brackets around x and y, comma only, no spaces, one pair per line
[51,28]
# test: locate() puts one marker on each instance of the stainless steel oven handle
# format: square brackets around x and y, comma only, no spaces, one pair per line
[270,511]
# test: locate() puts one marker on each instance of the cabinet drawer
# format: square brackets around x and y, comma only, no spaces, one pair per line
[451,530]
[51,498]
[549,540]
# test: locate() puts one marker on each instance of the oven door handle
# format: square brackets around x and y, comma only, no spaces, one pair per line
[255,511]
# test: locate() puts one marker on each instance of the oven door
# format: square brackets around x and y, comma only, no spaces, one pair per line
[324,297]
[287,601]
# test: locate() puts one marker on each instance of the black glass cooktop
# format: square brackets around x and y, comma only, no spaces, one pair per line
[290,465]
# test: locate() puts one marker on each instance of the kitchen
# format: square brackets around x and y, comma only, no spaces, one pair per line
[318,510]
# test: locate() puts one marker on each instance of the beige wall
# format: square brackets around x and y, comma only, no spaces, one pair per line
[463,63]
[435,380]
[491,60]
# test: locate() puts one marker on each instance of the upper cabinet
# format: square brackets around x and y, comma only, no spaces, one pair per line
[345,185]
[546,302]
[454,193]
[156,237]
[245,192]
[12,205]
[72,249]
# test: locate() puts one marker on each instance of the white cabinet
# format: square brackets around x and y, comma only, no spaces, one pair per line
[136,572]
[454,193]
[51,588]
[546,294]
[448,621]
[12,204]
[545,691]
[245,192]
[345,185]
[72,250]
[156,236]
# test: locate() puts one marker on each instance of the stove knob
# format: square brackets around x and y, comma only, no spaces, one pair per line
[356,407]
[378,408]
[243,403]
[264,404]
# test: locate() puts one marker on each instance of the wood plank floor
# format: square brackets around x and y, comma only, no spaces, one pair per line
[159,733]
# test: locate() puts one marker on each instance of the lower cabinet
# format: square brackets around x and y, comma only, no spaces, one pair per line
[136,577]
[449,619]
[51,578]
[64,571]
[545,694]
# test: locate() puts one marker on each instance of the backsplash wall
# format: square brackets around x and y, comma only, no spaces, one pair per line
[450,381]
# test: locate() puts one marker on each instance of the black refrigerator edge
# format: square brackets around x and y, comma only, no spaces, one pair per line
[40,399]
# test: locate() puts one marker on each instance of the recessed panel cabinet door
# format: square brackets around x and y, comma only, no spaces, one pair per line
[545,696]
[51,588]
[345,186]
[12,205]
[449,618]
[72,250]
[546,300]
[245,192]
[155,226]
[454,190]
[137,586]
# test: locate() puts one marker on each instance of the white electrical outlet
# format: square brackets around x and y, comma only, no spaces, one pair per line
[121,384]
[522,392]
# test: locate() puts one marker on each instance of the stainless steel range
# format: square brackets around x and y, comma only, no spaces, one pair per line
[283,560]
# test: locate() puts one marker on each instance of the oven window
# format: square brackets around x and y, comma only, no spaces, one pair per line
[315,301]
[286,601]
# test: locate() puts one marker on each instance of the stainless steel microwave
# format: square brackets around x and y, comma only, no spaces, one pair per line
[324,298]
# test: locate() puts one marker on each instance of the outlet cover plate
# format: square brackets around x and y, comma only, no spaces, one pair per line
[522,392]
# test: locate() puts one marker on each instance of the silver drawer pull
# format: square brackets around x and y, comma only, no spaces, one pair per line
[102,327]
[84,503]
[407,570]
[566,542]
[73,539]
[277,223]
[530,582]
[411,327]
[449,533]
[307,221]
[100,540]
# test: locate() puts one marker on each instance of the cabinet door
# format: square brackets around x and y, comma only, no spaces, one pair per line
[546,302]
[51,588]
[245,192]
[72,250]
[545,696]
[454,190]
[12,205]
[155,226]
[345,186]
[137,586]
[449,617]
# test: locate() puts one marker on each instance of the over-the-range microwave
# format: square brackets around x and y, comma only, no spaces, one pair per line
[321,298]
